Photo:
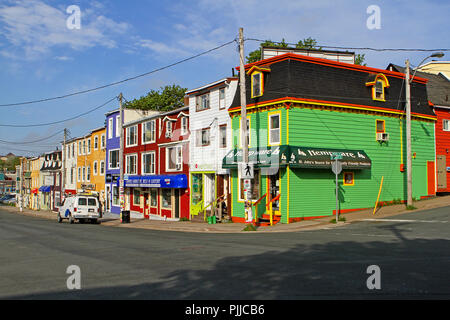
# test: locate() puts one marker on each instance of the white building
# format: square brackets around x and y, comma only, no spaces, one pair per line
[70,159]
[210,141]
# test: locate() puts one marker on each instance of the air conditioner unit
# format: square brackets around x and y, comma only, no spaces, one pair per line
[178,166]
[382,136]
[168,134]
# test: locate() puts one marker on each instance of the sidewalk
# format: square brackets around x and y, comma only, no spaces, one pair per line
[189,226]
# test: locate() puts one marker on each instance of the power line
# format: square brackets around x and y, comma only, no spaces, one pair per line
[60,121]
[30,142]
[355,48]
[117,82]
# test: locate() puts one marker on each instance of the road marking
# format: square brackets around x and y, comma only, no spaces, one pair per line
[399,220]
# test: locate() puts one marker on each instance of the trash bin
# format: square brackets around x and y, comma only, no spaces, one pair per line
[213,220]
[126,216]
[209,220]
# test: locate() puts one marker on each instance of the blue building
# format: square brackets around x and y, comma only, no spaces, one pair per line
[112,172]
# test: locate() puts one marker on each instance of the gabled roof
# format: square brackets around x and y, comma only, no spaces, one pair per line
[211,85]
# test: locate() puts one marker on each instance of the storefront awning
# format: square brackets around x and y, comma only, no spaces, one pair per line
[161,181]
[45,188]
[298,157]
[261,157]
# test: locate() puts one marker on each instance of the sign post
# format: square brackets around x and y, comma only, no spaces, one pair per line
[336,167]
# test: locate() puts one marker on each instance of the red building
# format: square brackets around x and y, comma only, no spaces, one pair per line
[156,165]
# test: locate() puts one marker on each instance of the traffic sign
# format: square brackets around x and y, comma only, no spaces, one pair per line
[247,170]
[336,166]
[336,155]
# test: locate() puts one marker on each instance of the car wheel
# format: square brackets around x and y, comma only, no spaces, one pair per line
[59,218]
[71,219]
[81,221]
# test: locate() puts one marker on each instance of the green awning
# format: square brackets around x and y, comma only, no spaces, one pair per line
[298,157]
[320,158]
[261,157]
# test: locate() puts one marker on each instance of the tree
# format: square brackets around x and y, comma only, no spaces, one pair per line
[359,59]
[308,43]
[167,98]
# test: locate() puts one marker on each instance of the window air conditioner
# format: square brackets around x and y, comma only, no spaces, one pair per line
[382,136]
[168,134]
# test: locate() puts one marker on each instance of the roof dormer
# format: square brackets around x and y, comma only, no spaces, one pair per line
[379,83]
[256,74]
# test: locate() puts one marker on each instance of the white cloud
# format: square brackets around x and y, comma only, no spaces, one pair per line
[32,28]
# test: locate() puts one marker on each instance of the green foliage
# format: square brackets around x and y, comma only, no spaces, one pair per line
[359,59]
[168,98]
[410,208]
[249,227]
[10,164]
[341,218]
[308,43]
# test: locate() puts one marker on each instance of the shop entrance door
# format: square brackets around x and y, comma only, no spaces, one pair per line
[177,203]
[274,190]
[210,193]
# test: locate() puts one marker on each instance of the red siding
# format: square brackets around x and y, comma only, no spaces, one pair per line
[443,141]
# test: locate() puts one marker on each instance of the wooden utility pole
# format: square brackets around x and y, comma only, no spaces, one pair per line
[408,138]
[244,132]
[121,184]
[64,159]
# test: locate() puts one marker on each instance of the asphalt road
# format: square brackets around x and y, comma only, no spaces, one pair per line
[411,250]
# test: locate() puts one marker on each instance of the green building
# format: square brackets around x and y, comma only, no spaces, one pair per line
[300,111]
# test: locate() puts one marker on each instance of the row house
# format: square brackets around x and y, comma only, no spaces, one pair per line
[210,141]
[112,163]
[70,163]
[156,165]
[50,189]
[301,110]
[438,89]
[36,165]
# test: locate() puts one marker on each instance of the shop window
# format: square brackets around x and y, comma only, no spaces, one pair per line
[166,197]
[349,179]
[255,186]
[136,197]
[197,188]
[115,196]
[153,197]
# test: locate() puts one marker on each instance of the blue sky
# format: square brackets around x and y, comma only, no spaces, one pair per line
[40,57]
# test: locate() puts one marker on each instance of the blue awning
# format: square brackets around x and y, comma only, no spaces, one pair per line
[45,188]
[162,181]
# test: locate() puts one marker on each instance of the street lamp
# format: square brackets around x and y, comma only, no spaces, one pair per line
[408,123]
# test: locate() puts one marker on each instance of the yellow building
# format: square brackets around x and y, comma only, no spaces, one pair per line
[437,67]
[35,182]
[91,161]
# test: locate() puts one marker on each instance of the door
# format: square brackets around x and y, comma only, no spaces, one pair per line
[441,172]
[274,190]
[431,182]
[177,203]
[108,199]
[146,205]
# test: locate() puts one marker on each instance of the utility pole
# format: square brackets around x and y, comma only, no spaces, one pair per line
[64,159]
[20,186]
[408,138]
[121,185]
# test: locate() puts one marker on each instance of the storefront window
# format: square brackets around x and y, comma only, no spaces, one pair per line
[166,195]
[115,198]
[153,198]
[197,188]
[254,187]
[136,197]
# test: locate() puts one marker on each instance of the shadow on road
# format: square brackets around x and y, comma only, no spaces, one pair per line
[336,269]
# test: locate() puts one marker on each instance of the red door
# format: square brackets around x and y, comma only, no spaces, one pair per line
[431,178]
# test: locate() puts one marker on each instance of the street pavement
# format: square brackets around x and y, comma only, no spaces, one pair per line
[412,251]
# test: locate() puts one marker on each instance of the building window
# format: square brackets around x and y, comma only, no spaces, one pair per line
[153,198]
[103,143]
[83,178]
[136,197]
[131,164]
[349,179]
[131,136]
[79,174]
[96,143]
[257,89]
[166,197]
[446,125]
[379,84]
[73,150]
[174,158]
[89,146]
[184,125]
[115,195]
[118,126]
[148,131]
[222,98]
[88,178]
[380,126]
[95,168]
[274,129]
[79,148]
[110,128]
[254,187]
[223,136]
[84,146]
[168,129]
[102,167]
[113,159]
[71,175]
[202,102]
[148,163]
[203,137]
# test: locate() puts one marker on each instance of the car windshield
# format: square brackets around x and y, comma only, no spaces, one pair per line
[92,202]
[82,201]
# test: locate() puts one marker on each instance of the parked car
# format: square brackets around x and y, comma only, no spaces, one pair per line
[6,198]
[80,207]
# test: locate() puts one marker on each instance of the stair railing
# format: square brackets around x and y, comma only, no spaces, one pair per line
[255,204]
[213,203]
[270,206]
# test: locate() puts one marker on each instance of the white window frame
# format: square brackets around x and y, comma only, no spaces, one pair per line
[89,146]
[221,137]
[88,173]
[118,159]
[274,143]
[128,144]
[153,131]
[444,126]
[83,177]
[128,156]
[199,102]
[143,172]
[184,126]
[178,160]
[118,126]
[95,142]
[95,168]
[103,141]
[79,174]
[102,165]
[222,105]
[110,128]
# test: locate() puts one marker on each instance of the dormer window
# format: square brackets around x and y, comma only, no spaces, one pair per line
[257,80]
[379,84]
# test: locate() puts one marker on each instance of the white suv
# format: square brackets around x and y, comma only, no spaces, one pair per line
[80,207]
